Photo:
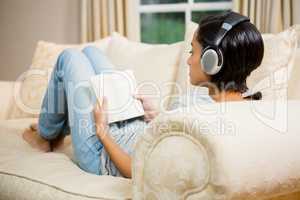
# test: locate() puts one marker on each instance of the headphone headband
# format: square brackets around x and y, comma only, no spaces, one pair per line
[232,20]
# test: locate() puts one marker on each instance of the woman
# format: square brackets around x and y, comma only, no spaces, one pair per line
[103,148]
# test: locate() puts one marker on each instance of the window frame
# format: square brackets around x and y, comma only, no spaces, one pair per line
[187,8]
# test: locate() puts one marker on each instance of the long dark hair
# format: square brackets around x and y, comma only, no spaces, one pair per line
[243,51]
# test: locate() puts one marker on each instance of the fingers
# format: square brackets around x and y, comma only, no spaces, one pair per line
[96,111]
[150,115]
[101,117]
[139,97]
[148,118]
[100,108]
[96,107]
[104,104]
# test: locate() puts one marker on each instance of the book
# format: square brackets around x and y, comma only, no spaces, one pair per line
[119,87]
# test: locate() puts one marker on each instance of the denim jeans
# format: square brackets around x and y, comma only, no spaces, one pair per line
[67,108]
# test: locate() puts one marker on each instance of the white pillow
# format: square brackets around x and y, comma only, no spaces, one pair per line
[272,76]
[276,67]
[155,66]
[29,94]
[46,53]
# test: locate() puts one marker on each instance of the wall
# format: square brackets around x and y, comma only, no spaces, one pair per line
[296,11]
[24,22]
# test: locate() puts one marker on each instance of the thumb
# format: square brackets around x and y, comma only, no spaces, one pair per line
[96,107]
[104,104]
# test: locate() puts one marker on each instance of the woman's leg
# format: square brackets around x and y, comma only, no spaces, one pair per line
[53,118]
[98,59]
[69,101]
[100,63]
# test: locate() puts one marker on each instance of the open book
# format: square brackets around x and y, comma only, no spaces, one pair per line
[118,87]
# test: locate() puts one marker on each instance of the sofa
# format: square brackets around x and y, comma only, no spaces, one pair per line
[236,150]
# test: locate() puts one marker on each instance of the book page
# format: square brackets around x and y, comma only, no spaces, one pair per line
[118,87]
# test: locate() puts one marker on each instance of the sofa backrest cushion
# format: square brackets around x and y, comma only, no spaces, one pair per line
[155,66]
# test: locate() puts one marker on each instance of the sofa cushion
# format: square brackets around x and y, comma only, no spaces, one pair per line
[155,66]
[26,173]
[275,70]
[28,95]
[6,98]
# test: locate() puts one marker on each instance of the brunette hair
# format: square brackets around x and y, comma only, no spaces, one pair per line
[243,51]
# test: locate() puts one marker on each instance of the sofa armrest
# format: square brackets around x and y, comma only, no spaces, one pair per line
[6,98]
[231,154]
[169,163]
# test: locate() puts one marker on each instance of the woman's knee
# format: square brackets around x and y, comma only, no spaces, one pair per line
[68,57]
[68,54]
[92,51]
[97,58]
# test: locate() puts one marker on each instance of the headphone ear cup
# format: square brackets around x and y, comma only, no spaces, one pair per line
[210,62]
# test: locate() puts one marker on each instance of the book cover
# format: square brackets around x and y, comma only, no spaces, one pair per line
[118,87]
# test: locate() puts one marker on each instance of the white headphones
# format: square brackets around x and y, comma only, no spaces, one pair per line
[212,56]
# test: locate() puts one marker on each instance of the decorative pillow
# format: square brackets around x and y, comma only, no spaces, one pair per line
[272,76]
[46,53]
[29,94]
[275,70]
[154,66]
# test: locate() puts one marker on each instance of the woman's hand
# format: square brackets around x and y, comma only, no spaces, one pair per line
[119,157]
[100,116]
[149,108]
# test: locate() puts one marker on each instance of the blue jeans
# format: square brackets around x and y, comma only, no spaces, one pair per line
[68,103]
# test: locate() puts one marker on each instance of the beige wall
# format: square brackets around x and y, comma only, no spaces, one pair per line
[24,22]
[296,13]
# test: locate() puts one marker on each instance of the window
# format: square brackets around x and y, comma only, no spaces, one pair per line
[164,21]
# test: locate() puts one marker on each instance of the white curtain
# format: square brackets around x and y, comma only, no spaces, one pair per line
[99,18]
[270,16]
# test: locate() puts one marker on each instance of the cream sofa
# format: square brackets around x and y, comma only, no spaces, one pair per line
[239,150]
